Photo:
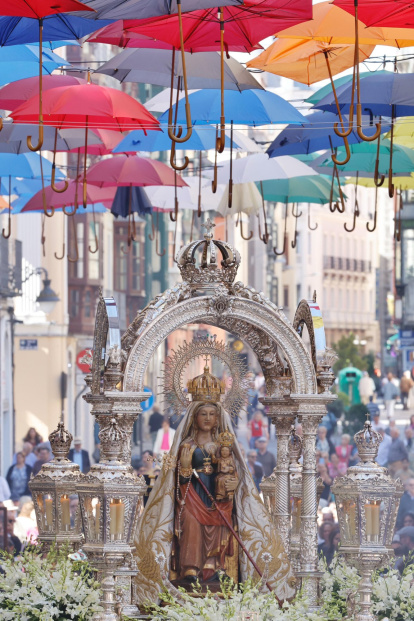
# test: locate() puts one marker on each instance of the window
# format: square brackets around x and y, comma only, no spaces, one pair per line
[136,267]
[93,258]
[128,264]
[121,265]
[79,267]
[74,302]
[87,304]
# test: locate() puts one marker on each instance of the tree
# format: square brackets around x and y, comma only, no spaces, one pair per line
[348,354]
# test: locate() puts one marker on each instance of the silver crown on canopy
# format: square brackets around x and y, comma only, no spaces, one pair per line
[367,441]
[208,274]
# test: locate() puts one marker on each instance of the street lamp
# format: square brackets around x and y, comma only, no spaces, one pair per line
[47,298]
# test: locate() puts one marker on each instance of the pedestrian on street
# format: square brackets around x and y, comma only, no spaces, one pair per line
[265,457]
[390,393]
[79,456]
[323,444]
[164,438]
[406,502]
[29,455]
[366,387]
[384,448]
[33,437]
[256,428]
[155,423]
[406,383]
[372,407]
[397,453]
[18,477]
[256,469]
[45,455]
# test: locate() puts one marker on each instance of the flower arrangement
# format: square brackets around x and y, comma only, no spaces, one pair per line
[47,587]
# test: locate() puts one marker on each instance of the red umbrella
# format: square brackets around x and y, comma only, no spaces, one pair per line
[232,28]
[38,9]
[109,140]
[387,13]
[69,198]
[16,93]
[132,170]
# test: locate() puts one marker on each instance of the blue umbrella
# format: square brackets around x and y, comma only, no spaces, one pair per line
[250,107]
[129,200]
[26,165]
[343,81]
[384,94]
[22,61]
[19,203]
[141,9]
[59,27]
[202,139]
[316,134]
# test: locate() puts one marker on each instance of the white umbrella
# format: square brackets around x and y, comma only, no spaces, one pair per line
[259,167]
[162,197]
[246,199]
[161,101]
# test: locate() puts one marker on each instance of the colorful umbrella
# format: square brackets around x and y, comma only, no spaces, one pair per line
[13,139]
[37,10]
[130,170]
[140,202]
[23,61]
[69,198]
[307,189]
[56,28]
[389,13]
[19,91]
[259,167]
[142,9]
[154,66]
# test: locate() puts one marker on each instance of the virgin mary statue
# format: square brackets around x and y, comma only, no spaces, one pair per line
[181,526]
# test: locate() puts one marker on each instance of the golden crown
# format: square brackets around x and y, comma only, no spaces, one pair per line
[206,387]
[226,438]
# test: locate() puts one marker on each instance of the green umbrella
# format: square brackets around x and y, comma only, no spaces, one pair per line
[314,189]
[364,155]
[316,97]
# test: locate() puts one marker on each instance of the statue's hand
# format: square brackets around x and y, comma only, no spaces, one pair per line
[230,484]
[185,457]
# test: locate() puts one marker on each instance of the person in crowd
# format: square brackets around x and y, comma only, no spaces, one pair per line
[408,519]
[4,490]
[372,407]
[329,548]
[324,445]
[17,544]
[406,383]
[384,448]
[18,477]
[397,453]
[330,422]
[375,421]
[252,396]
[25,527]
[44,455]
[73,508]
[344,450]
[96,455]
[405,472]
[391,425]
[265,457]
[155,423]
[80,456]
[412,422]
[256,428]
[408,438]
[324,531]
[29,455]
[406,502]
[366,387]
[259,381]
[33,437]
[255,468]
[390,393]
[164,438]
[336,468]
[327,482]
[327,515]
[406,535]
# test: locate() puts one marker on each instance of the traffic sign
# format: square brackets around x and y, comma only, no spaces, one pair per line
[84,368]
[147,405]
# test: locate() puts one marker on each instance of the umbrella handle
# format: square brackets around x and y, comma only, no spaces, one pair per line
[397,220]
[295,237]
[172,155]
[359,129]
[347,156]
[63,253]
[374,225]
[75,237]
[311,228]
[7,235]
[241,232]
[52,183]
[346,132]
[160,254]
[221,140]
[230,197]
[356,214]
[41,136]
[1,123]
[279,254]
[214,181]
[96,246]
[390,183]
[40,143]
[295,215]
[266,236]
[173,218]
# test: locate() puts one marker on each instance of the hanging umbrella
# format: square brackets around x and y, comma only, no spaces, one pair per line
[154,66]
[107,141]
[142,9]
[259,167]
[338,82]
[56,28]
[246,199]
[37,10]
[313,189]
[23,61]
[162,197]
[69,199]
[403,132]
[89,106]
[140,202]
[130,170]
[18,91]
[388,13]
[316,134]
[19,203]
[203,138]
[13,139]
[364,157]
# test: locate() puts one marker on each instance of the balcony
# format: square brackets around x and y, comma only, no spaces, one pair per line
[10,268]
[343,264]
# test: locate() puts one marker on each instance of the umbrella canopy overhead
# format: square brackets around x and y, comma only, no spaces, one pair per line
[87,105]
[25,165]
[404,132]
[36,9]
[259,167]
[364,156]
[129,200]
[132,170]
[13,138]
[246,199]
[251,107]
[72,195]
[388,94]
[22,61]
[60,27]
[202,138]
[305,61]
[316,134]
[162,197]
[19,91]
[327,89]
[333,25]
[142,9]
[154,66]
[391,13]
[313,189]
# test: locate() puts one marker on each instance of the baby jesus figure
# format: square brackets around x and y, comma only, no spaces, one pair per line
[226,469]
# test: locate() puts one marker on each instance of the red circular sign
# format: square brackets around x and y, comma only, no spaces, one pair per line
[81,365]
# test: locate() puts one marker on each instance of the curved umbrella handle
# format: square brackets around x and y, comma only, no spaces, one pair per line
[278,254]
[374,225]
[39,144]
[359,129]
[356,214]
[96,246]
[346,132]
[397,220]
[241,232]
[172,155]
[160,254]
[52,183]
[63,253]
[174,217]
[347,154]
[297,214]
[390,183]
[311,228]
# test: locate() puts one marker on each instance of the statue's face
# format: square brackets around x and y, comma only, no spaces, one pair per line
[207,417]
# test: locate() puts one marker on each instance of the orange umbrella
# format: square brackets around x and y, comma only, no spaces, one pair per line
[309,61]
[332,25]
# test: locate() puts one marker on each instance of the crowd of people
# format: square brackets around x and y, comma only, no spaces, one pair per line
[335,452]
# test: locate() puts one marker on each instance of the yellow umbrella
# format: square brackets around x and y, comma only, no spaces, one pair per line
[404,132]
[402,183]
